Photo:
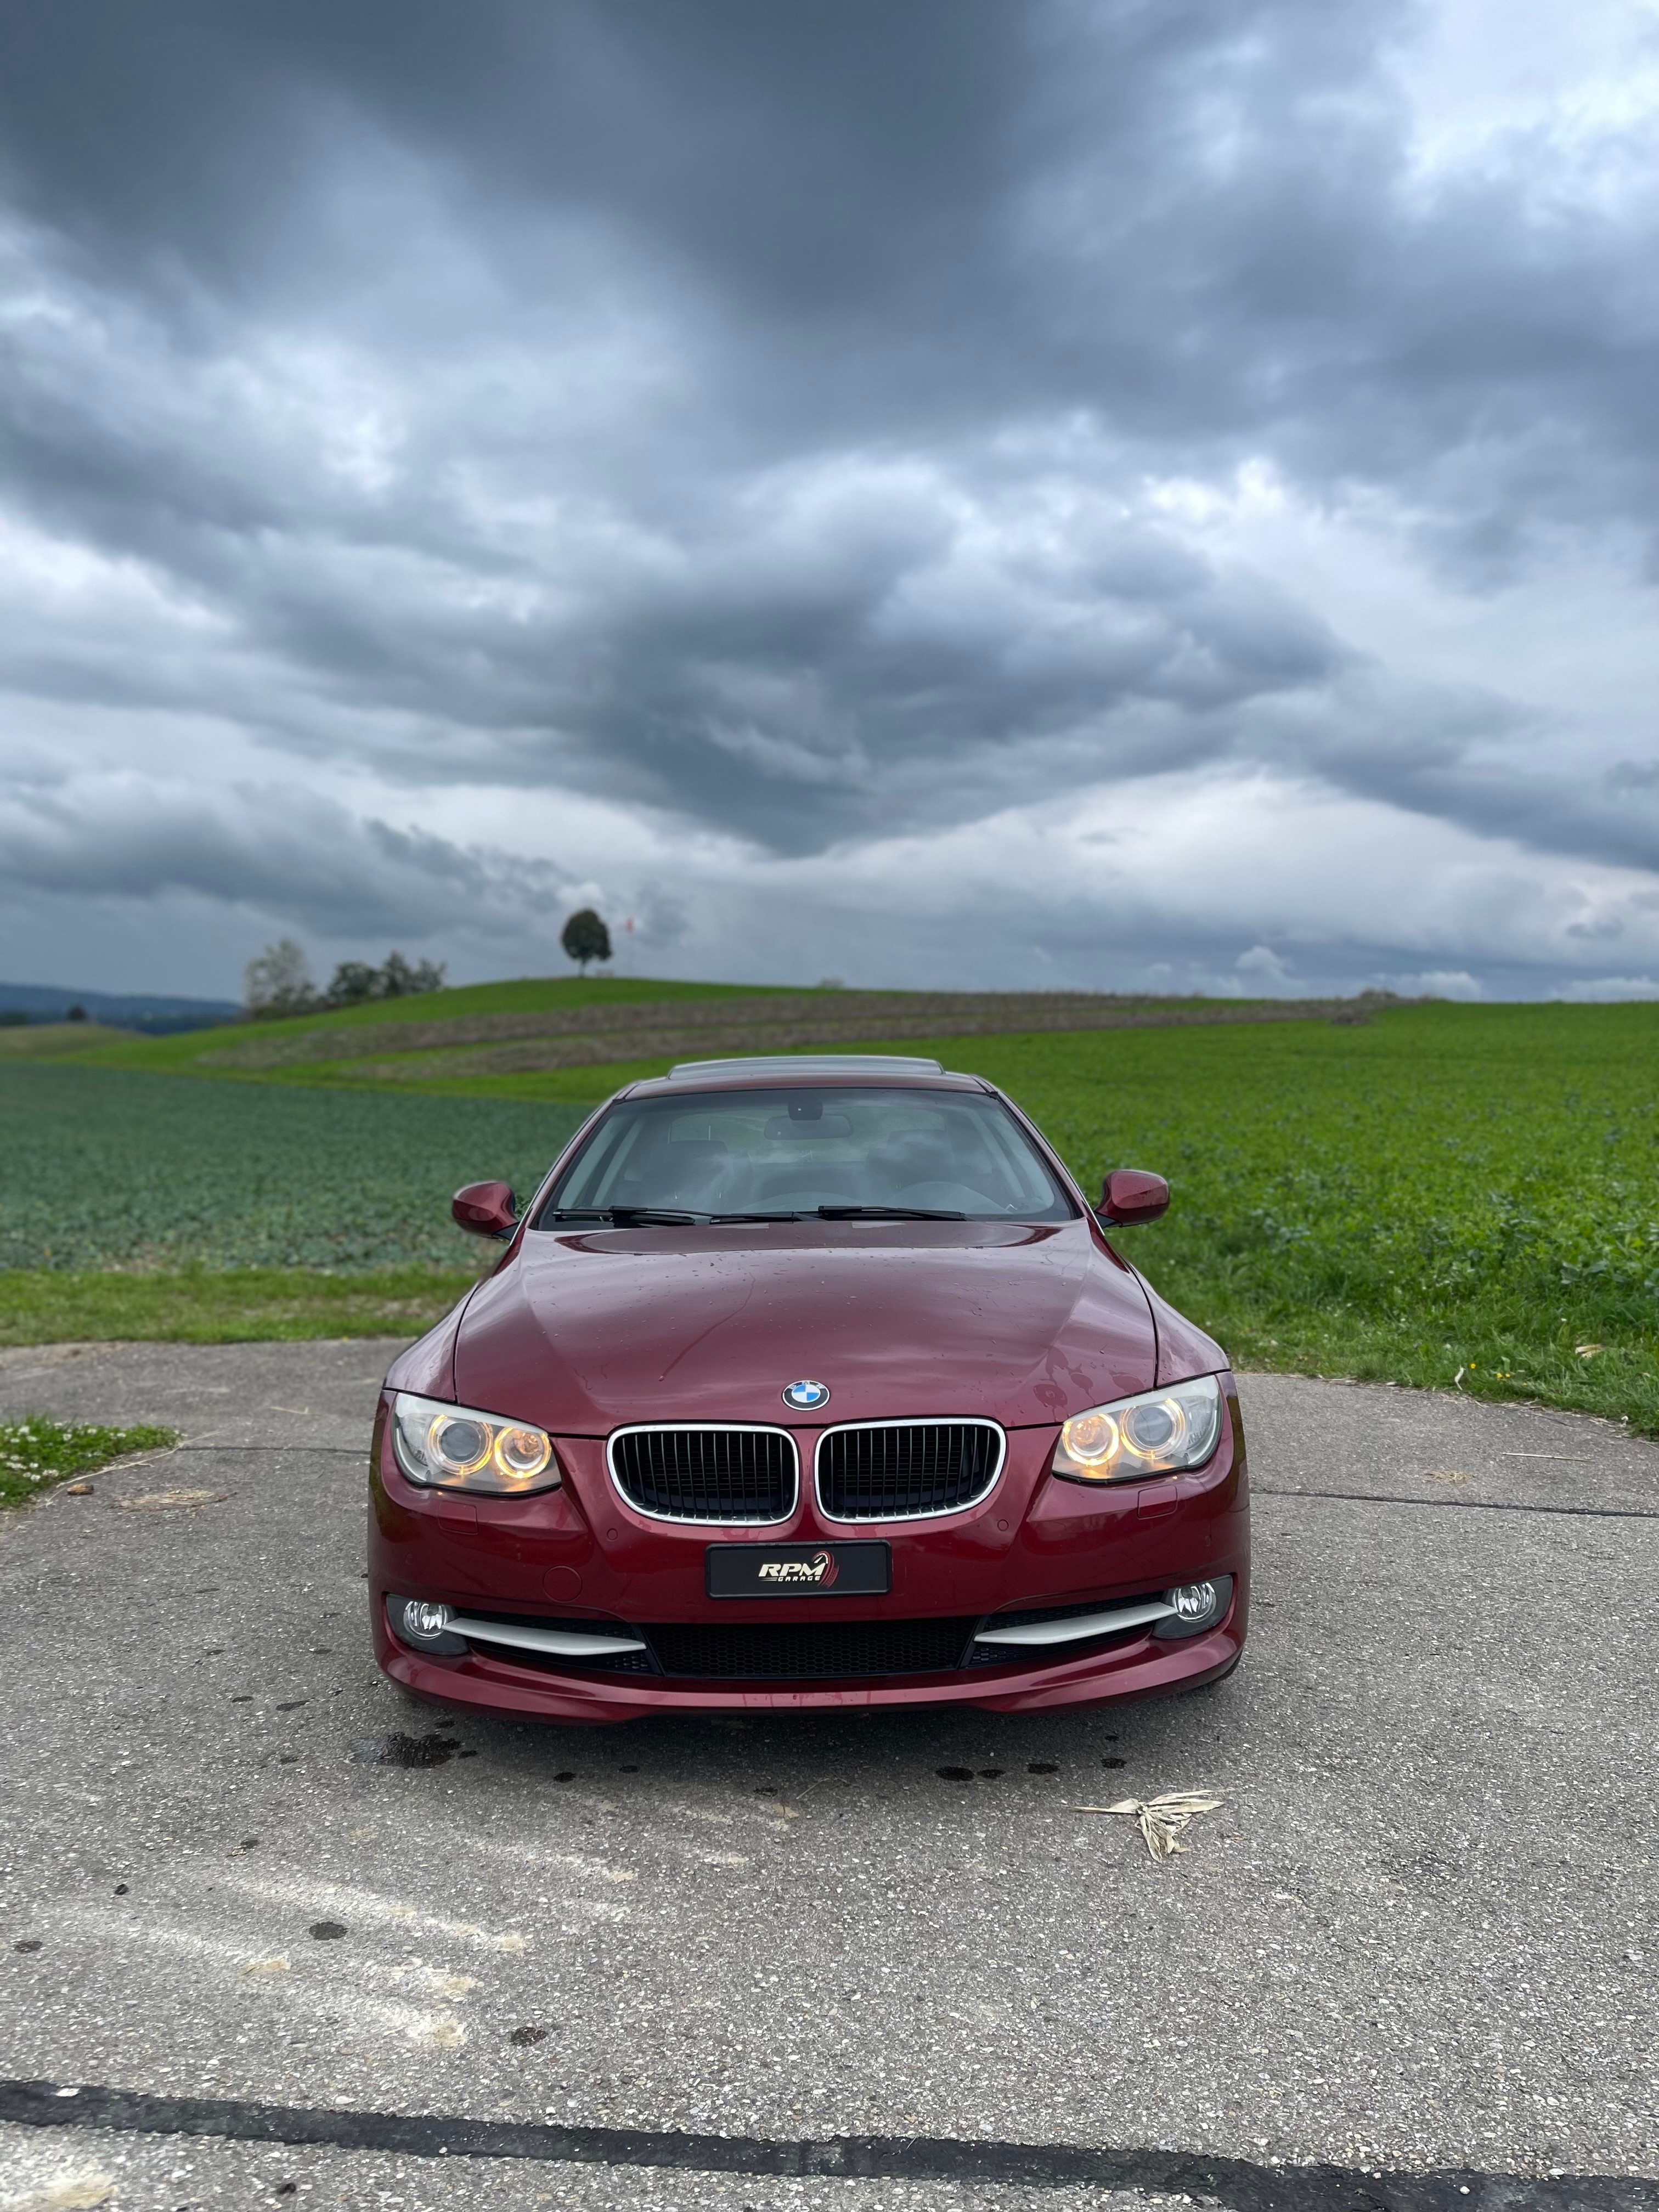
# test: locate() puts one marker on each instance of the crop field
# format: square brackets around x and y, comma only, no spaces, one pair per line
[1449,1196]
[137,1205]
[102,1169]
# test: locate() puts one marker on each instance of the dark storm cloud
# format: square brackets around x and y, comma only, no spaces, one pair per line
[746,409]
[268,850]
[771,148]
[1198,219]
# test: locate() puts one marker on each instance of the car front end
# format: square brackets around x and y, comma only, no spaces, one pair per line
[804,1386]
[607,1596]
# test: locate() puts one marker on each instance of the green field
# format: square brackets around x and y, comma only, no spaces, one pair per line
[1441,1192]
[1447,1188]
[101,1168]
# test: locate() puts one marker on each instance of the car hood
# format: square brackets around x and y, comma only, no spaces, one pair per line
[583,1332]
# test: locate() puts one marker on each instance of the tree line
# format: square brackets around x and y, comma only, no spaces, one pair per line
[277,981]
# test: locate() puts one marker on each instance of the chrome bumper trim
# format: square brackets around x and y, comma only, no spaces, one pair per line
[1082,1625]
[561,1643]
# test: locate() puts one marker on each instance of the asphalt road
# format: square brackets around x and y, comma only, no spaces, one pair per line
[1420,1934]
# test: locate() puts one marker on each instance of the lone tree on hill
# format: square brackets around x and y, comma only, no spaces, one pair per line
[586,937]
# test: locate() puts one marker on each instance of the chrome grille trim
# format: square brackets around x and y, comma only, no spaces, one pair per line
[924,1513]
[741,1520]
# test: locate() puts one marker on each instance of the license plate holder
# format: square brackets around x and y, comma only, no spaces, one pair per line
[864,1570]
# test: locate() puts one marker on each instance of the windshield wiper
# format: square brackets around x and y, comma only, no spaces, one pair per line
[888,1213]
[649,1217]
[626,1217]
[754,1217]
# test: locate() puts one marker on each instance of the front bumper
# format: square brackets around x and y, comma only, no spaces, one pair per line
[580,1555]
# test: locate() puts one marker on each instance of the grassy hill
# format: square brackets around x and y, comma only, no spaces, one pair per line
[507,1039]
[196,1052]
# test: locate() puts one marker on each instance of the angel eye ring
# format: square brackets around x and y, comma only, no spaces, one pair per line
[1157,1432]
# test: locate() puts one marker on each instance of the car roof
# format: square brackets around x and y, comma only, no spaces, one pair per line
[773,1072]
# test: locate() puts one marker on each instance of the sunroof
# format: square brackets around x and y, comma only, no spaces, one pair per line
[802,1063]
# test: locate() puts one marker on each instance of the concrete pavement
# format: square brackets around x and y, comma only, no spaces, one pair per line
[1418,1935]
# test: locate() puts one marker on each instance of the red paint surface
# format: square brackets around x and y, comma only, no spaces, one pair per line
[583,1330]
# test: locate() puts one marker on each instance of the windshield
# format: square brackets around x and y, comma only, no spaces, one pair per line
[841,1152]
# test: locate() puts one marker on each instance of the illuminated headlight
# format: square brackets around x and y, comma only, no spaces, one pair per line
[1160,1432]
[452,1448]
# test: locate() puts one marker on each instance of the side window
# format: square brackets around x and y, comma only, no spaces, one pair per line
[1023,1176]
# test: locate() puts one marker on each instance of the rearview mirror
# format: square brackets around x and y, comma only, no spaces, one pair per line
[488,1209]
[1131,1194]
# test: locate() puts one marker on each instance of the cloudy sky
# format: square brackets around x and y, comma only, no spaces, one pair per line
[1097,492]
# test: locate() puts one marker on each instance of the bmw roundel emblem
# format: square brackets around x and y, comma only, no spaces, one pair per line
[807,1397]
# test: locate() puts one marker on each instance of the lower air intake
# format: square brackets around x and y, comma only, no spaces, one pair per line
[798,1651]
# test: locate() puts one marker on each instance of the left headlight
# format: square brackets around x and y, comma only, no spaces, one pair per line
[452,1448]
[1159,1432]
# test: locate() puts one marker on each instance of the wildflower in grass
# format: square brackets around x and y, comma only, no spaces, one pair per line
[35,1452]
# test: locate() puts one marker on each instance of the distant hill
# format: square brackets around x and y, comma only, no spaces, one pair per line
[47,1002]
[533,1035]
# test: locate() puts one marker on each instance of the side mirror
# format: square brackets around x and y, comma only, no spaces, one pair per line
[1131,1194]
[488,1209]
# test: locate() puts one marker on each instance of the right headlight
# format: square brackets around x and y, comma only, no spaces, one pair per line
[452,1448]
[1159,1432]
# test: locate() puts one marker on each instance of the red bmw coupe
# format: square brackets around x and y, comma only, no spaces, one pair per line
[805,1383]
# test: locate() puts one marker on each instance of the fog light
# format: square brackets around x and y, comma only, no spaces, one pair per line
[1193,1602]
[1198,1605]
[425,1624]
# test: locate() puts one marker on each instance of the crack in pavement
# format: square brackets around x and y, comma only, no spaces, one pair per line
[1241,2185]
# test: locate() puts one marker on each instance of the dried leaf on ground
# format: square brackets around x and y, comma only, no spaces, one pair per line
[1160,1820]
